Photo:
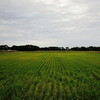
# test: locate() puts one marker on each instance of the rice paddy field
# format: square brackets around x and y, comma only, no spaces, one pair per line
[50,75]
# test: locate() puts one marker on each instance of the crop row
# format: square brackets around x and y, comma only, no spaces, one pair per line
[48,76]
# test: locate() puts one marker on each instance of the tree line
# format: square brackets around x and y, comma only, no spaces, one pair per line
[54,48]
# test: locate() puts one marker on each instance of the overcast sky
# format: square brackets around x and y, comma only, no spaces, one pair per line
[50,22]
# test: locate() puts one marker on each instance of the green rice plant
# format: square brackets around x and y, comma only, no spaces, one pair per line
[50,76]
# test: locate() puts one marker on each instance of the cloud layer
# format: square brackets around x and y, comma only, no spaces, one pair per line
[50,22]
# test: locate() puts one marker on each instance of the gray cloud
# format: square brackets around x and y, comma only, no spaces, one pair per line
[50,22]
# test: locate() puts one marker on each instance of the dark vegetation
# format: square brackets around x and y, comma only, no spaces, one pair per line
[36,48]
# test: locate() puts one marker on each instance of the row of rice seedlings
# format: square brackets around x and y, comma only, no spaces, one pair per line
[65,82]
[18,70]
[39,72]
[84,76]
